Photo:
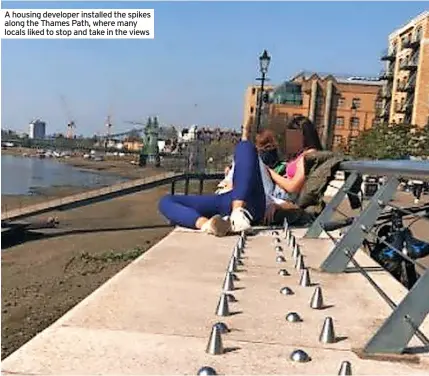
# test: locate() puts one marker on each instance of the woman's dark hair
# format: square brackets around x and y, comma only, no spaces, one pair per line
[311,138]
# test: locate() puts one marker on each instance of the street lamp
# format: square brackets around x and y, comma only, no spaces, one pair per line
[264,63]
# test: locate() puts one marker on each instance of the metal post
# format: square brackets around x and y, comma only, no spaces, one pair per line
[317,226]
[260,100]
[337,260]
[397,331]
[201,190]
[173,187]
[187,185]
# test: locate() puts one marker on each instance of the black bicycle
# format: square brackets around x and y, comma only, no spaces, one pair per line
[391,242]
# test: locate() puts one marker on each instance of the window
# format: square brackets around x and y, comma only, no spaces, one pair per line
[288,93]
[378,104]
[354,122]
[338,140]
[341,101]
[253,91]
[252,109]
[356,102]
[352,140]
[418,34]
[339,121]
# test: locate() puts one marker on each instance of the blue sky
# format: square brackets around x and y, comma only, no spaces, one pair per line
[196,69]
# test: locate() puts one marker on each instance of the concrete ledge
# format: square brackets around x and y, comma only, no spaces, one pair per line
[154,317]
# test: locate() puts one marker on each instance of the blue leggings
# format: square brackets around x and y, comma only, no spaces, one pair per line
[247,186]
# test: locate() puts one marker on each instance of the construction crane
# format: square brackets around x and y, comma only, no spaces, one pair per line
[71,125]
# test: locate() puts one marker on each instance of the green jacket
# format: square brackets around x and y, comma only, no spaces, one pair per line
[320,169]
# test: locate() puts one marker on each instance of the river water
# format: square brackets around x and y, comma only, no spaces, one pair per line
[23,175]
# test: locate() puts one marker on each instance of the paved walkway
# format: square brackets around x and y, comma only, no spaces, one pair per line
[155,316]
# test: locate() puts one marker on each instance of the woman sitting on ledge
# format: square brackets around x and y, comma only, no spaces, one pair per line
[250,199]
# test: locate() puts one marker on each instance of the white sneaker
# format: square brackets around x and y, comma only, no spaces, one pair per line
[217,226]
[240,220]
[416,201]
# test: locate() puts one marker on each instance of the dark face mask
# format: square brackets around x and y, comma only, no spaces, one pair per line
[269,157]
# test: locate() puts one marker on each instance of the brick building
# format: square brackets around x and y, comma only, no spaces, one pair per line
[406,91]
[340,106]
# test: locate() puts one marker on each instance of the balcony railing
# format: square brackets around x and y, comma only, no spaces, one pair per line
[404,108]
[388,55]
[410,84]
[386,92]
[412,43]
[386,74]
[409,64]
[401,87]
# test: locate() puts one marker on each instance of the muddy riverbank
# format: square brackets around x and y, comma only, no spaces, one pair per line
[51,270]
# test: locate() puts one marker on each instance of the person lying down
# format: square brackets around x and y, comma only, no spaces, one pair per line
[252,191]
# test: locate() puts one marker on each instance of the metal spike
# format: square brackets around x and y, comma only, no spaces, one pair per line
[277,241]
[299,356]
[286,291]
[300,263]
[287,236]
[296,252]
[285,225]
[234,277]
[222,308]
[292,241]
[293,317]
[232,266]
[228,285]
[237,253]
[305,278]
[238,262]
[215,345]
[345,369]
[317,299]
[206,371]
[231,298]
[280,259]
[279,249]
[327,334]
[241,242]
[283,272]
[275,233]
[223,328]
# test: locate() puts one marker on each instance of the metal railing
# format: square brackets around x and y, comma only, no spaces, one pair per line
[364,229]
[91,196]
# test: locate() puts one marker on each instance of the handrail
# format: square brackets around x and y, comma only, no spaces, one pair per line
[404,322]
[403,168]
[91,196]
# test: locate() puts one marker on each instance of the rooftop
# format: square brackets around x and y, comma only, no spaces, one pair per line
[340,78]
[409,24]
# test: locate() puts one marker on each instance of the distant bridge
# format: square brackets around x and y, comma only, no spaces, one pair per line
[107,193]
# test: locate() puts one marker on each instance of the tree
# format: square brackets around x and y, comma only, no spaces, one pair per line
[385,141]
